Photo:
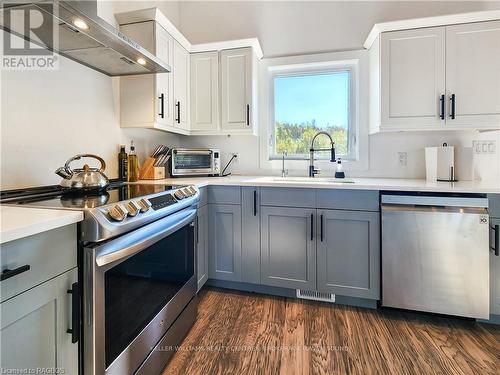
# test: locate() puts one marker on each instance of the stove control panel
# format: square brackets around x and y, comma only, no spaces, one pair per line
[120,211]
[162,201]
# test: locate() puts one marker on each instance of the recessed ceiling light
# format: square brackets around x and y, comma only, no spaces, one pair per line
[81,24]
[141,61]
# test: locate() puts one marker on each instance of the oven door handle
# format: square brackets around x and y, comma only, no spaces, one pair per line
[140,239]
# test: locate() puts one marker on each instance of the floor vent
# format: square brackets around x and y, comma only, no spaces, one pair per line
[315,296]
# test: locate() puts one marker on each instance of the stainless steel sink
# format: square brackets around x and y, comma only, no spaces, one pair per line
[322,180]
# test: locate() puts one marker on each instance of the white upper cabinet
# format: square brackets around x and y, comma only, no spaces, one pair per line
[473,74]
[180,74]
[237,90]
[413,78]
[436,78]
[204,92]
[149,101]
[211,89]
[231,107]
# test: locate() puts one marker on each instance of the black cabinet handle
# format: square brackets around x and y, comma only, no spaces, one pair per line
[321,228]
[197,230]
[312,227]
[248,114]
[178,105]
[441,107]
[7,274]
[496,247]
[452,112]
[75,313]
[255,203]
[162,105]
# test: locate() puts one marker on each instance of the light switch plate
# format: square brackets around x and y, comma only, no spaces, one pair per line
[403,159]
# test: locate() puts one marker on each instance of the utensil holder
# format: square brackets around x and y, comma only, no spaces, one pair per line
[148,170]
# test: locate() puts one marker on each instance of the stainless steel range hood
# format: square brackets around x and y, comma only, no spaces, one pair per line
[82,36]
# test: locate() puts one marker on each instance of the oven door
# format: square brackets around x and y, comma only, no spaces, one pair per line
[192,162]
[135,286]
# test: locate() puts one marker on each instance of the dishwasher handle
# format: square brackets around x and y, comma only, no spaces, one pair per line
[424,208]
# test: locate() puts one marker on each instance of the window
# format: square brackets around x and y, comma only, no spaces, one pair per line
[306,101]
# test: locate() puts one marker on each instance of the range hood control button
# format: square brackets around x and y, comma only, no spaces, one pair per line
[144,205]
[117,213]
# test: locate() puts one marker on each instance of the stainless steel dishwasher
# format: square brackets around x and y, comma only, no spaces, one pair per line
[435,254]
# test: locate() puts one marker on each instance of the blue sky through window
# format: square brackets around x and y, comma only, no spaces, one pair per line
[323,97]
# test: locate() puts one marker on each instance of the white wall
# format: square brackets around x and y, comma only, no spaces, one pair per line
[49,116]
[299,27]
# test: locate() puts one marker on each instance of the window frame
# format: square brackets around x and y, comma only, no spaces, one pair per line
[327,67]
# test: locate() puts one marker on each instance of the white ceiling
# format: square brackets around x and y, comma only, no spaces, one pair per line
[298,27]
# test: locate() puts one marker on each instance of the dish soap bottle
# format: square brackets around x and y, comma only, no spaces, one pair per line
[122,164]
[133,164]
[340,172]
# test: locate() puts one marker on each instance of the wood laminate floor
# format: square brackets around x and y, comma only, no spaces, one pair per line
[244,333]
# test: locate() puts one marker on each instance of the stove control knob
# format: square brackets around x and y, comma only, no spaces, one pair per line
[192,190]
[133,208]
[179,194]
[117,213]
[186,192]
[144,205]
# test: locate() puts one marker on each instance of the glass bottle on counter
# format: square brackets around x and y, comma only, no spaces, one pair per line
[133,164]
[122,164]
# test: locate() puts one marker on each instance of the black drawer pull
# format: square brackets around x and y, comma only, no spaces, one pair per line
[162,105]
[7,274]
[178,119]
[312,227]
[441,109]
[75,313]
[321,228]
[496,248]
[248,114]
[453,104]
[255,203]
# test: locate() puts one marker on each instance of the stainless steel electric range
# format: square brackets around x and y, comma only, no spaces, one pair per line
[137,280]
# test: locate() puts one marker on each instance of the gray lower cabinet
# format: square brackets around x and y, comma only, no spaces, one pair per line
[349,253]
[288,247]
[494,270]
[33,329]
[202,246]
[225,242]
[250,235]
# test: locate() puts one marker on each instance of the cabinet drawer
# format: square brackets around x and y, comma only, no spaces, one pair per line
[48,254]
[367,200]
[494,205]
[203,197]
[288,197]
[224,195]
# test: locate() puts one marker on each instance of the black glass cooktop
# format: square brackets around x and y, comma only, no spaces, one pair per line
[56,197]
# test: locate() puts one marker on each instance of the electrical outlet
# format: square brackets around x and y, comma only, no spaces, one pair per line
[484,147]
[236,160]
[403,159]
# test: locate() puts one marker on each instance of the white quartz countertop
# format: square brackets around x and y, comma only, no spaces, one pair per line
[392,184]
[19,222]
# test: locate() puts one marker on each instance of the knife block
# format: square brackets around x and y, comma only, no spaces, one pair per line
[148,170]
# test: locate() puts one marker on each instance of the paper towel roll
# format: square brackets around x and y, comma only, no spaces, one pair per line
[431,164]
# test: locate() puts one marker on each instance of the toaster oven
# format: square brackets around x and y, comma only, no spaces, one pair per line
[194,162]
